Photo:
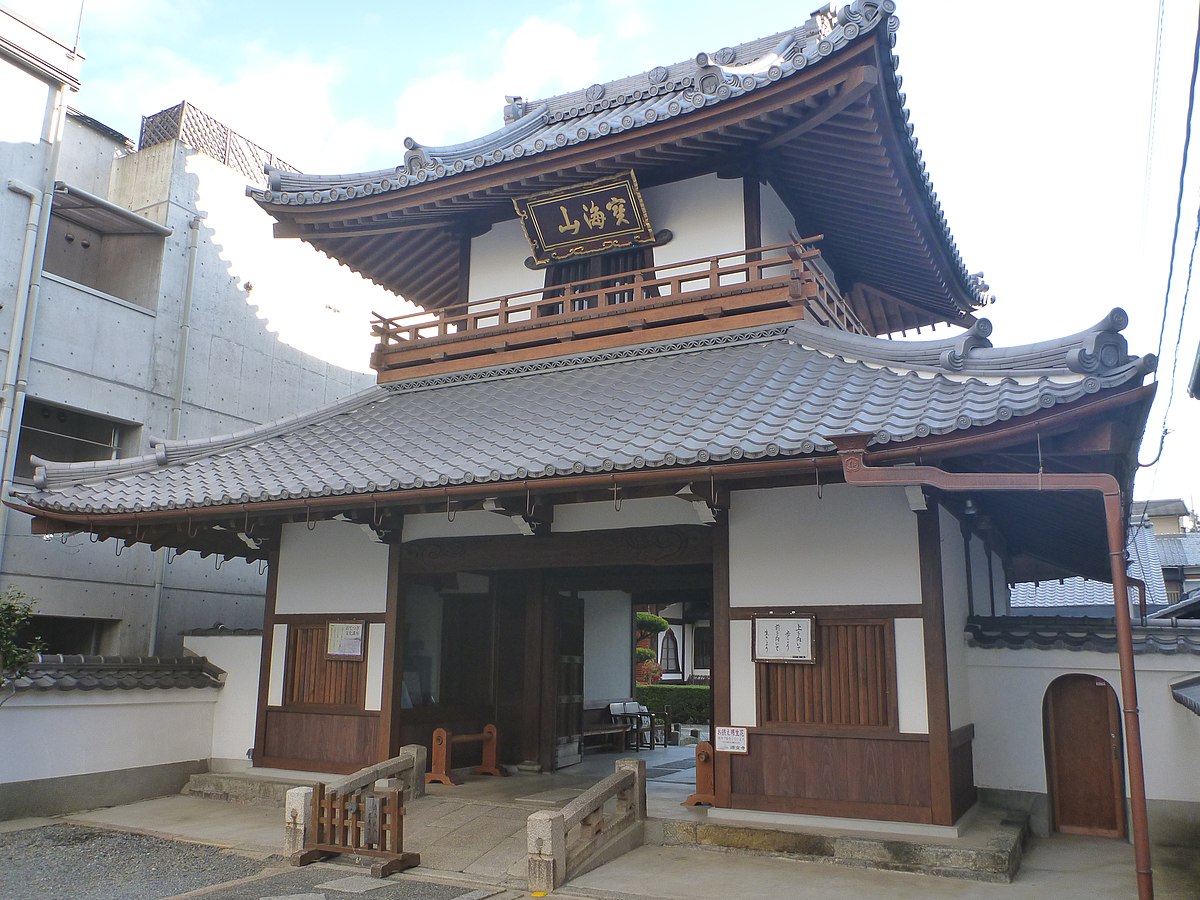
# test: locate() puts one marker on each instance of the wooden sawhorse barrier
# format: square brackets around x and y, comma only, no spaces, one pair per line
[706,790]
[440,766]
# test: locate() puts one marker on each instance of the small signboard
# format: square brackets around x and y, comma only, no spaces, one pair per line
[345,640]
[583,219]
[783,639]
[731,739]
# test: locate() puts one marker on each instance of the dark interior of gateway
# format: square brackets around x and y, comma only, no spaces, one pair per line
[536,652]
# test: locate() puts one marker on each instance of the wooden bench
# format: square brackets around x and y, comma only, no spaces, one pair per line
[599,722]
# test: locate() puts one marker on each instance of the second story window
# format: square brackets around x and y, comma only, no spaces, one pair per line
[597,273]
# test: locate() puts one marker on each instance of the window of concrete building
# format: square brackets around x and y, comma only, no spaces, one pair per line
[104,248]
[65,435]
[68,634]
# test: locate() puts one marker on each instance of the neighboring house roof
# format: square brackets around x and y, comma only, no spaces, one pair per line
[1187,608]
[56,672]
[773,391]
[1187,692]
[870,150]
[1075,633]
[1179,550]
[1141,551]
[1158,508]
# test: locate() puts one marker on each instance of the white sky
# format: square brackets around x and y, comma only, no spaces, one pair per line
[1033,120]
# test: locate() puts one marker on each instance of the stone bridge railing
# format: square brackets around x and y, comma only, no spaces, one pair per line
[599,825]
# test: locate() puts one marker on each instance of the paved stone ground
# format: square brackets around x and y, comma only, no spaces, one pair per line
[86,863]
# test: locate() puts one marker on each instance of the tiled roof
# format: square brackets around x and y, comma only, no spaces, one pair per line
[223,631]
[1142,553]
[1075,633]
[1187,692]
[1177,550]
[603,111]
[1173,507]
[768,392]
[55,672]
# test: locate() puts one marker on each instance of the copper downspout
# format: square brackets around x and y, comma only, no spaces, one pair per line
[851,449]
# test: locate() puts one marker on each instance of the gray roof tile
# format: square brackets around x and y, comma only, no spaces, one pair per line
[1179,550]
[57,672]
[1076,633]
[758,393]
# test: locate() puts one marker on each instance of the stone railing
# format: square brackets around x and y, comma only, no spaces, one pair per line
[596,827]
[407,771]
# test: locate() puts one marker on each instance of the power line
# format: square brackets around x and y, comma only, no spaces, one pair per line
[1151,125]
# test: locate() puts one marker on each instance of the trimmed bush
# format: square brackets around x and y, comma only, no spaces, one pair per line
[645,654]
[689,703]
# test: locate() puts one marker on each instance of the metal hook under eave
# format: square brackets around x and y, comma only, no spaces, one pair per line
[62,538]
[617,501]
[190,532]
[309,523]
[528,500]
[119,549]
[262,567]
[449,515]
[817,473]
[171,557]
[376,515]
[93,537]
[220,560]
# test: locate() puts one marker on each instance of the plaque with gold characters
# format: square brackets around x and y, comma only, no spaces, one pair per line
[584,219]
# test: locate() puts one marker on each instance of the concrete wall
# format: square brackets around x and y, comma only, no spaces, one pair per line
[1007,689]
[233,715]
[607,645]
[854,546]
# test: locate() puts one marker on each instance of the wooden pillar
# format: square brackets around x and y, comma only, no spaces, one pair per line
[390,716]
[721,711]
[531,718]
[937,691]
[547,689]
[264,666]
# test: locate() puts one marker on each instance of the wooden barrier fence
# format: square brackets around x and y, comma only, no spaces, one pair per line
[706,789]
[441,766]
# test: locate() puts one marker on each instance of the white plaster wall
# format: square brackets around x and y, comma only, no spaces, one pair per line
[278,661]
[980,586]
[607,645]
[912,700]
[954,595]
[375,635]
[743,706]
[498,263]
[234,712]
[337,567]
[774,218]
[1007,690]
[641,513]
[467,523]
[857,545]
[52,735]
[705,214]
[1000,586]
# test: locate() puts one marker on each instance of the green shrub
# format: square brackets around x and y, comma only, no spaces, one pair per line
[645,654]
[687,703]
[648,625]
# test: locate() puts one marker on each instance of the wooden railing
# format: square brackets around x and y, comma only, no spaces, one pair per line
[599,825]
[795,265]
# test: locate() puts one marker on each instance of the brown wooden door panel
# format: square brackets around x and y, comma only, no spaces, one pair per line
[1084,749]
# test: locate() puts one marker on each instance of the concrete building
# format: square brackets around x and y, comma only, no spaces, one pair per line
[131,284]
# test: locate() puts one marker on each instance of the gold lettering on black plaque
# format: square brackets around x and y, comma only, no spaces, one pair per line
[584,219]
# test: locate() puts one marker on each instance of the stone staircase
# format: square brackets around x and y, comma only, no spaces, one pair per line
[989,851]
[248,790]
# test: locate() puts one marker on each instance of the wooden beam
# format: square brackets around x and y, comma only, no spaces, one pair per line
[393,657]
[860,82]
[721,709]
[264,664]
[937,690]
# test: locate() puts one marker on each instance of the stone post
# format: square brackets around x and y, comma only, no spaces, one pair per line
[638,768]
[297,811]
[547,844]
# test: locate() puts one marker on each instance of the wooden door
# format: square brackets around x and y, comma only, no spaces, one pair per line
[568,748]
[1083,745]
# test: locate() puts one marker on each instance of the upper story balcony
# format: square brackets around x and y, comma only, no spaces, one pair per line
[743,288]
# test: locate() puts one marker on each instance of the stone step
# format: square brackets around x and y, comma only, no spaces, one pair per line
[249,790]
[990,851]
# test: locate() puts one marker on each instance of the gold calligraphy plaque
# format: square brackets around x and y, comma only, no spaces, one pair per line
[566,223]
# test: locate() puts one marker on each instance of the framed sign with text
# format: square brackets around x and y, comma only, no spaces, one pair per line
[345,640]
[786,639]
[583,219]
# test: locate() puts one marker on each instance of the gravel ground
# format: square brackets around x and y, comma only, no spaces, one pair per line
[60,861]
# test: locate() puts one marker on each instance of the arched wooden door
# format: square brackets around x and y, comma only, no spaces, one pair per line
[1083,756]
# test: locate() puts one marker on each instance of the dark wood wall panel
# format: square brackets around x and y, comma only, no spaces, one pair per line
[880,778]
[320,740]
[313,680]
[850,684]
[962,771]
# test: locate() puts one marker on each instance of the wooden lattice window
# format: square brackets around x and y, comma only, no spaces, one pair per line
[702,647]
[313,679]
[851,684]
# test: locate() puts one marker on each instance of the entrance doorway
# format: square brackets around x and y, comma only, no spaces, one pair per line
[1083,756]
